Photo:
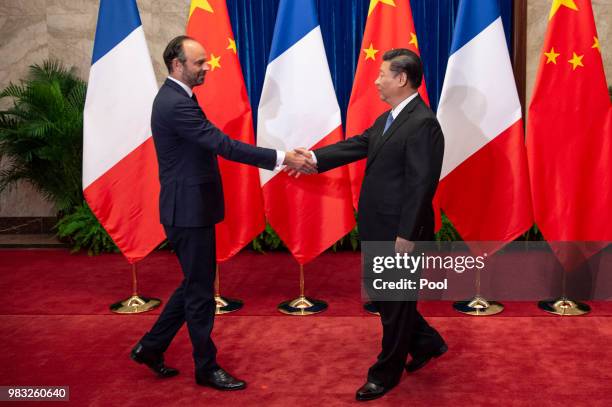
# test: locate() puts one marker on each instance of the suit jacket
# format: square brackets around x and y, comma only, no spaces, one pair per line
[402,172]
[187,146]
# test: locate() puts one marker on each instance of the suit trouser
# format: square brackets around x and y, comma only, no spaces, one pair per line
[193,301]
[405,331]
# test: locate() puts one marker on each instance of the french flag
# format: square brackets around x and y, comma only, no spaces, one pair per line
[484,184]
[120,177]
[298,108]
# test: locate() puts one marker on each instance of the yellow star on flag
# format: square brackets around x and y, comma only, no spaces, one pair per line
[203,4]
[370,52]
[413,40]
[214,62]
[374,3]
[558,3]
[596,43]
[576,61]
[232,45]
[552,56]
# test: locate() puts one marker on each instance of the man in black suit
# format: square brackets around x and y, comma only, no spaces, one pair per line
[404,150]
[191,203]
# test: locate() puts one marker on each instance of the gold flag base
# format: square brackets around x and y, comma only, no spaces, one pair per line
[478,306]
[224,305]
[135,305]
[227,305]
[302,306]
[370,308]
[564,306]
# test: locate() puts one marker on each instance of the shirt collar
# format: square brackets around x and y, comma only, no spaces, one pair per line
[182,85]
[398,109]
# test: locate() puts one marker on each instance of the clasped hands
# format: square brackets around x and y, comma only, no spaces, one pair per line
[299,161]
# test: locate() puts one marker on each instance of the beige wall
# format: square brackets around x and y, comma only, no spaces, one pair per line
[31,30]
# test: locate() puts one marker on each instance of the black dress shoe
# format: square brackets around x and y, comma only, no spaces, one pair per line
[370,391]
[220,380]
[419,361]
[153,360]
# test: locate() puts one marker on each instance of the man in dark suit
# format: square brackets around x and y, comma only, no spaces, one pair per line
[404,150]
[191,203]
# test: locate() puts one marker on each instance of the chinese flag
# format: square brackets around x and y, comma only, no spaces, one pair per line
[569,137]
[389,25]
[224,99]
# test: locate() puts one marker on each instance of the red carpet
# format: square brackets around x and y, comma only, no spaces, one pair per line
[56,330]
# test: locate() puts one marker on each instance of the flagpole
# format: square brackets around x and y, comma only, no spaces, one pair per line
[302,305]
[135,304]
[224,305]
[478,305]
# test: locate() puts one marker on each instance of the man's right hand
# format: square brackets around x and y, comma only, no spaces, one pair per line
[299,163]
[308,157]
[305,152]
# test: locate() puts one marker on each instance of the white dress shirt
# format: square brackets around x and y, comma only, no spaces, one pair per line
[182,85]
[398,109]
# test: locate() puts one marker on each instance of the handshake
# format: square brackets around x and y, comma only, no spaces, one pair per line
[299,161]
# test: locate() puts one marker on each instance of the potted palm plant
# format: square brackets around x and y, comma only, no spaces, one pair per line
[41,141]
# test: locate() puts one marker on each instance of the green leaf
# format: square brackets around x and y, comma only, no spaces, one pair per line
[81,229]
[41,134]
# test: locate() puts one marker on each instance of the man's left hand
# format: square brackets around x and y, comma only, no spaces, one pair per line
[403,246]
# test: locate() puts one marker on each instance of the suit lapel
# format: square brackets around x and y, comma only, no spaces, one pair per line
[382,138]
[182,91]
[380,135]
